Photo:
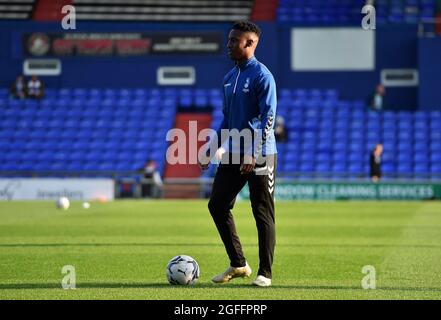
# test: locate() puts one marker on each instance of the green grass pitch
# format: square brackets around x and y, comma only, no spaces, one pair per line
[120,250]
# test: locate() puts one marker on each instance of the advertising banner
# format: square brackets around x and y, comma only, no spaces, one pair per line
[120,44]
[52,189]
[354,191]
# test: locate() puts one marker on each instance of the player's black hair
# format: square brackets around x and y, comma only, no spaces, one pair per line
[247,26]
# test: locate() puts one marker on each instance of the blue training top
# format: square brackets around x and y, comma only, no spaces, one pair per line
[250,102]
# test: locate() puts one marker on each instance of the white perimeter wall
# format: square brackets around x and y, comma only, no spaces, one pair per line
[51,189]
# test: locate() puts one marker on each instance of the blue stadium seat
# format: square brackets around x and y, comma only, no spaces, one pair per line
[306,166]
[405,136]
[140,93]
[357,125]
[309,135]
[359,105]
[357,157]
[325,146]
[421,116]
[342,125]
[65,93]
[339,157]
[9,166]
[110,93]
[421,136]
[404,167]
[435,157]
[357,135]
[331,94]
[80,145]
[435,146]
[80,92]
[344,106]
[421,158]
[404,115]
[95,93]
[358,115]
[436,168]
[421,168]
[25,166]
[290,167]
[421,147]
[388,167]
[341,136]
[356,147]
[185,101]
[405,125]
[405,146]
[356,168]
[339,167]
[435,136]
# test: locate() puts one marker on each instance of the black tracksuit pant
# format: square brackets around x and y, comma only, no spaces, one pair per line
[261,182]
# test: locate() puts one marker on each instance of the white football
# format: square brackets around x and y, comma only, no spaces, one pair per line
[182,270]
[63,203]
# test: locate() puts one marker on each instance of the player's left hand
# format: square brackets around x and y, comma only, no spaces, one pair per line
[248,164]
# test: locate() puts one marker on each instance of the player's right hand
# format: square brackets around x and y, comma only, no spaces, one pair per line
[203,166]
[204,160]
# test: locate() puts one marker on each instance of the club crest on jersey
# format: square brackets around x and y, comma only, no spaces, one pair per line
[246,85]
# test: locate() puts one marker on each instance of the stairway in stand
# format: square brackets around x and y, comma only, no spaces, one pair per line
[191,124]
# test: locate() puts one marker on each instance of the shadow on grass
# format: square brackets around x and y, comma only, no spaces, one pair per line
[15,245]
[24,245]
[106,285]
